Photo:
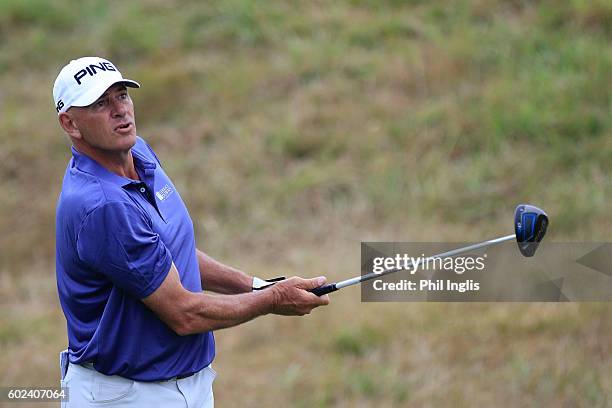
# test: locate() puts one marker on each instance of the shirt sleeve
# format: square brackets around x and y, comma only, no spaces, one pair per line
[117,240]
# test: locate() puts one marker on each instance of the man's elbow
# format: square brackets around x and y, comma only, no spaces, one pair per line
[175,313]
[182,329]
[186,327]
[189,322]
[182,323]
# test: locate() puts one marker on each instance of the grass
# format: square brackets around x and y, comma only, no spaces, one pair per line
[295,130]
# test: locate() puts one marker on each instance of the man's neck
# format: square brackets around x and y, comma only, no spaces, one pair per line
[121,163]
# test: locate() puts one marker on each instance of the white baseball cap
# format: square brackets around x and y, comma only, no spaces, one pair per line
[83,80]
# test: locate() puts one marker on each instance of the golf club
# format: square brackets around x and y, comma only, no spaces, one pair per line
[530,223]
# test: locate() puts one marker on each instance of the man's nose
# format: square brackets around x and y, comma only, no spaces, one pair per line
[118,108]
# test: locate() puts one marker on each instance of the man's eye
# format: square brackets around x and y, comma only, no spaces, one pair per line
[123,95]
[100,103]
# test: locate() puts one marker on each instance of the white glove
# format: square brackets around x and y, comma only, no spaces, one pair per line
[259,284]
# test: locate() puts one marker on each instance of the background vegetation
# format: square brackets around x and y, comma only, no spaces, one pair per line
[295,130]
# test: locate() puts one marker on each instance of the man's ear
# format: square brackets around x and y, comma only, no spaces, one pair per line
[69,125]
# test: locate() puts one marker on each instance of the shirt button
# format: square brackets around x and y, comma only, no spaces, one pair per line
[142,189]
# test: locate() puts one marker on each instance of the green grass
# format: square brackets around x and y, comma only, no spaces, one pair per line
[294,130]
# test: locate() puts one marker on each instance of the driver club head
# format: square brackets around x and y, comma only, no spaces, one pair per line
[530,223]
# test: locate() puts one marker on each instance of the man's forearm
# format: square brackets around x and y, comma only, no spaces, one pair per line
[187,312]
[205,312]
[221,278]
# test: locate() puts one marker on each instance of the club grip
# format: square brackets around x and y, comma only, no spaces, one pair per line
[322,290]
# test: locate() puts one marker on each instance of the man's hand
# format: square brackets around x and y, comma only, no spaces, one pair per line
[291,296]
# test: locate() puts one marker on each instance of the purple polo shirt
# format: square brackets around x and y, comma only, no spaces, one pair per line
[115,241]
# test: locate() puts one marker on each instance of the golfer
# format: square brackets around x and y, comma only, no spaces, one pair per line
[131,281]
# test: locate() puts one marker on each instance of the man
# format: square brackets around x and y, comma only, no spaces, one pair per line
[130,278]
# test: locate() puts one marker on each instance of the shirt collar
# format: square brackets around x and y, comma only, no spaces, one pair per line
[90,166]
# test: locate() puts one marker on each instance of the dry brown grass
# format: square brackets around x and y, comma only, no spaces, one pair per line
[296,130]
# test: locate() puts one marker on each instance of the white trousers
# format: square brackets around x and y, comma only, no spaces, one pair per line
[89,388]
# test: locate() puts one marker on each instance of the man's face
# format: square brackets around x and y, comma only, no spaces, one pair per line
[108,124]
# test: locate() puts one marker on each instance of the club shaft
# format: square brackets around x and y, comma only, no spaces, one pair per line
[454,252]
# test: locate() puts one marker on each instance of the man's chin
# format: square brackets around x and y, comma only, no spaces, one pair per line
[128,138]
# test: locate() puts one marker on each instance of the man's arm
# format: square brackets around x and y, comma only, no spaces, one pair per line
[221,278]
[188,312]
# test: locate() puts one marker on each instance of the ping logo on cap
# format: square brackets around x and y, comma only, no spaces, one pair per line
[91,69]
